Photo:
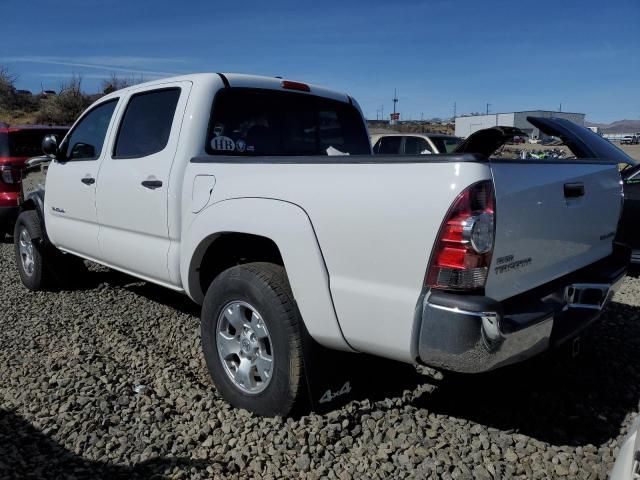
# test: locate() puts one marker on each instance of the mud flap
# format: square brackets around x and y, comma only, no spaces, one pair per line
[335,378]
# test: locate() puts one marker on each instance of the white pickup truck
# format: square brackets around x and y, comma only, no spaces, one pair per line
[259,198]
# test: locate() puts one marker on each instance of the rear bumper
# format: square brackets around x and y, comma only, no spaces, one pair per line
[472,334]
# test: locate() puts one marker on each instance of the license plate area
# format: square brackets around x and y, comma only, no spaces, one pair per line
[587,295]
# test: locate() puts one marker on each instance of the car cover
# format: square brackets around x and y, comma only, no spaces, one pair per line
[582,142]
[488,140]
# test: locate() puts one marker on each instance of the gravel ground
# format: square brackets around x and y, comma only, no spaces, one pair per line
[69,362]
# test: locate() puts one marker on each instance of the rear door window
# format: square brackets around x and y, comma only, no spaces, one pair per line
[388,146]
[266,122]
[416,146]
[446,144]
[146,124]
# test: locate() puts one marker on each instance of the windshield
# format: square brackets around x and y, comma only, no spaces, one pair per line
[446,144]
[267,122]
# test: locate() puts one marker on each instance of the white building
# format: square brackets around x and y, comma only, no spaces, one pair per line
[465,126]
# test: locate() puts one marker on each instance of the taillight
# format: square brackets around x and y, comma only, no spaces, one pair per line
[462,254]
[10,174]
[290,85]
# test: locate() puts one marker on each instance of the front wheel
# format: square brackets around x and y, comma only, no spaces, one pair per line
[251,339]
[28,242]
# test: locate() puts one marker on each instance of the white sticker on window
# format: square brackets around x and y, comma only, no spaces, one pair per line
[224,144]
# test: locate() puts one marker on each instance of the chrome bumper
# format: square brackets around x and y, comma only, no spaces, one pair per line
[635,256]
[470,340]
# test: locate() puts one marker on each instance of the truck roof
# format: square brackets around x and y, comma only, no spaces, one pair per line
[238,80]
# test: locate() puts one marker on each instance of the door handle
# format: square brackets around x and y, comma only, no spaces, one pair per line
[573,190]
[88,180]
[152,184]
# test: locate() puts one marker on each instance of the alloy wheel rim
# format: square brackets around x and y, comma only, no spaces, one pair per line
[244,347]
[25,247]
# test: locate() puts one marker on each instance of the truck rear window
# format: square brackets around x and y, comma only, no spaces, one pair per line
[264,122]
[25,143]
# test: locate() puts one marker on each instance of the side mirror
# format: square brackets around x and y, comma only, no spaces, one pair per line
[50,145]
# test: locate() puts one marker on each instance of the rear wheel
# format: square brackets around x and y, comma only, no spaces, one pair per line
[251,339]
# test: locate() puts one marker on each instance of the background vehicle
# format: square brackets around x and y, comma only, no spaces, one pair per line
[260,199]
[630,140]
[413,143]
[629,230]
[17,143]
[627,466]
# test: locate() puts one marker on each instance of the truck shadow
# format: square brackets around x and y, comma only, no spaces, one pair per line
[26,452]
[555,398]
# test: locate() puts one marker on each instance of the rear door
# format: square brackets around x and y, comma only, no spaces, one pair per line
[133,183]
[70,206]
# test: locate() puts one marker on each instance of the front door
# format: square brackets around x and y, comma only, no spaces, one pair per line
[133,182]
[70,199]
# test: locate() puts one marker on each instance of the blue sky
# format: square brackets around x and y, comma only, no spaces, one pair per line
[584,54]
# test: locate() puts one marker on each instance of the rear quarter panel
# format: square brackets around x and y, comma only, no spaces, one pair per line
[375,224]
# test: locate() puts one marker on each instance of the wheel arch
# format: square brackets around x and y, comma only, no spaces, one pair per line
[259,229]
[35,202]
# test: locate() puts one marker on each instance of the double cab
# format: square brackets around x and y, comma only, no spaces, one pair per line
[260,199]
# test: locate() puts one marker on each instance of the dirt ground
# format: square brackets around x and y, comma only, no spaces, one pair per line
[632,150]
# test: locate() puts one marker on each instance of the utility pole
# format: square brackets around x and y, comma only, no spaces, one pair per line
[455,110]
[488,105]
[422,116]
[382,112]
[395,100]
[560,107]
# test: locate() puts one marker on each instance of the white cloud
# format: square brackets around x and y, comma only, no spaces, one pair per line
[150,65]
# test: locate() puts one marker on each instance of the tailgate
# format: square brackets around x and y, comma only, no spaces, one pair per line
[551,219]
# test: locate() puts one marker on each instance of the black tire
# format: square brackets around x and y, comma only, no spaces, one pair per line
[39,278]
[265,287]
[52,268]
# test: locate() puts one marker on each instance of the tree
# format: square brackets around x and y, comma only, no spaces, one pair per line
[7,87]
[66,107]
[117,83]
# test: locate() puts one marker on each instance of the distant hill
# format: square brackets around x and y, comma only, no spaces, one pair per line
[620,126]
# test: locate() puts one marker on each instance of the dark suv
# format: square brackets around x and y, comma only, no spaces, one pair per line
[17,144]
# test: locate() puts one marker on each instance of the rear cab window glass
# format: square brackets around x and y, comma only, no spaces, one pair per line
[86,139]
[249,122]
[146,123]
